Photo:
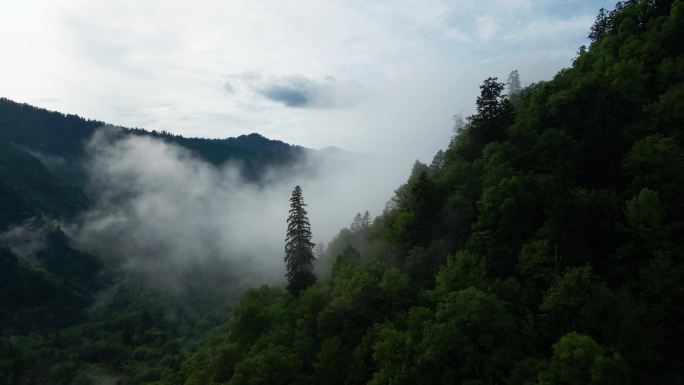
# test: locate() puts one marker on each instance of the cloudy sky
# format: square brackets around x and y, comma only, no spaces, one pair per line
[367,76]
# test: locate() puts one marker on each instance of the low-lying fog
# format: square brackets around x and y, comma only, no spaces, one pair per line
[159,208]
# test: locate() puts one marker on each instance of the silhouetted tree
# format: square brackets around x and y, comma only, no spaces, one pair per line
[489,102]
[494,114]
[601,25]
[299,255]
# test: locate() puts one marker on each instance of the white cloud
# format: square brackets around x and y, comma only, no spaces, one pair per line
[161,211]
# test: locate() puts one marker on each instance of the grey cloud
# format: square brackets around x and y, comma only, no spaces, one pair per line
[290,95]
[299,91]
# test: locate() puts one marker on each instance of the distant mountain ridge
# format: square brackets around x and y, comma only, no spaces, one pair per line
[42,130]
[42,154]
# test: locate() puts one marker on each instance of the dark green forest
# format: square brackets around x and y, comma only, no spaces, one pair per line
[543,245]
[100,316]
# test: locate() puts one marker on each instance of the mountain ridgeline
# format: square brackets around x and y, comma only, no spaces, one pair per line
[541,246]
[43,155]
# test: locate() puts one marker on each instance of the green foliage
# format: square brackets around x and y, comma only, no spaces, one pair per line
[576,301]
[645,212]
[274,365]
[29,188]
[578,359]
[34,299]
[473,329]
[135,339]
[463,270]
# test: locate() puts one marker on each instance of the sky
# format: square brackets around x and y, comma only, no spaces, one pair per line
[381,77]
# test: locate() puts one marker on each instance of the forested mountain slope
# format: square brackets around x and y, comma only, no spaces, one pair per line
[542,247]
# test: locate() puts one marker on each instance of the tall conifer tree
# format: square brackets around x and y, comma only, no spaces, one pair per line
[299,255]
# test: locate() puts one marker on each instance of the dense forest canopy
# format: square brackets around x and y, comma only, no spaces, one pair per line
[542,246]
